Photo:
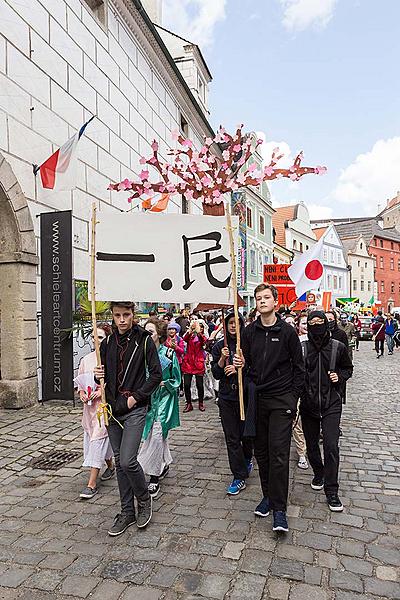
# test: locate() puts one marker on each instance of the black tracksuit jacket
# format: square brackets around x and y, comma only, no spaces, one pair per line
[123,357]
[274,360]
[320,396]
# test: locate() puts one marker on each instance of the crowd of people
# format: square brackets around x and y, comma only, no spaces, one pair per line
[295,368]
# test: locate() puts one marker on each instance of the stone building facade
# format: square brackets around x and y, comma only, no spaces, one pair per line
[60,63]
[335,278]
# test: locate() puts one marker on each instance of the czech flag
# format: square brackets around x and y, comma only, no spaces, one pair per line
[57,172]
[307,270]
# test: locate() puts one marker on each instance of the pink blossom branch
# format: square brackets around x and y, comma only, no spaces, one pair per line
[205,175]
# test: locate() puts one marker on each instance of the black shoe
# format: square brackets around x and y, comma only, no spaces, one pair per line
[121,524]
[154,488]
[262,510]
[280,521]
[145,512]
[164,472]
[334,503]
[317,484]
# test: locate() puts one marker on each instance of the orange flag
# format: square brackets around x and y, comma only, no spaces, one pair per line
[159,206]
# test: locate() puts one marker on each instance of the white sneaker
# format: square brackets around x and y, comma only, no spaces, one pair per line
[302,464]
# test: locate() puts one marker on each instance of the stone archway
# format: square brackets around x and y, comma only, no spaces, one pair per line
[18,260]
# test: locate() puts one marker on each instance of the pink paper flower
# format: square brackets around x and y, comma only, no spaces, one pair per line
[152,160]
[252,167]
[143,160]
[175,134]
[154,146]
[205,180]
[226,155]
[209,141]
[199,187]
[125,185]
[216,193]
[187,143]
[189,194]
[268,171]
[144,175]
[237,148]
[293,177]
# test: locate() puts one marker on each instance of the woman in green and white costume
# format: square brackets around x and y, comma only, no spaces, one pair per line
[155,456]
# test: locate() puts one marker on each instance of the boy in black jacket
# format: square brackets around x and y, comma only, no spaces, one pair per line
[274,362]
[132,371]
[328,367]
[240,450]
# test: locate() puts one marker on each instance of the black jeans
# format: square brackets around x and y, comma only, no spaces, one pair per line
[125,444]
[379,346]
[187,382]
[239,449]
[272,450]
[329,469]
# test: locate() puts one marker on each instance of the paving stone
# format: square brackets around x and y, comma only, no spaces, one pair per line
[312,575]
[387,573]
[44,580]
[28,558]
[356,565]
[384,554]
[164,576]
[350,548]
[214,586]
[110,590]
[315,540]
[288,569]
[140,593]
[296,553]
[127,571]
[276,589]
[345,519]
[325,559]
[346,581]
[76,585]
[14,576]
[215,564]
[233,550]
[83,565]
[58,561]
[247,587]
[388,589]
[189,582]
[256,561]
[303,591]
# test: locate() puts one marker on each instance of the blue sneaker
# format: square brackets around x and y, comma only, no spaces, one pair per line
[250,465]
[262,509]
[280,521]
[236,486]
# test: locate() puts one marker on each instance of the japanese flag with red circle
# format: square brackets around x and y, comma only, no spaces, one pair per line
[307,270]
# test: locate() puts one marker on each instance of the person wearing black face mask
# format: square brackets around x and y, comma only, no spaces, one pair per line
[336,332]
[328,367]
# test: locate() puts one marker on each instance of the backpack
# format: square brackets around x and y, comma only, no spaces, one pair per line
[332,360]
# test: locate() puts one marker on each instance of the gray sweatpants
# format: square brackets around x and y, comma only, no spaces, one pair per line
[125,444]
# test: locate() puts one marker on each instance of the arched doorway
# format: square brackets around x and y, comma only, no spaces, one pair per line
[18,260]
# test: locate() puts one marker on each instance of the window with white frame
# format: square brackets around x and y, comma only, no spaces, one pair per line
[329,282]
[325,254]
[262,225]
[260,262]
[340,282]
[362,285]
[249,217]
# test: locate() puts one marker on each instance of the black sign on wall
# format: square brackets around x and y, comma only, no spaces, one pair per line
[56,305]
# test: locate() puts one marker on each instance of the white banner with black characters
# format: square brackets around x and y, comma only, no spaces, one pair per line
[147,257]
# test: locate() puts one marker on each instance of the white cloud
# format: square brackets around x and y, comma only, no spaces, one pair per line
[372,177]
[193,19]
[266,149]
[300,14]
[318,211]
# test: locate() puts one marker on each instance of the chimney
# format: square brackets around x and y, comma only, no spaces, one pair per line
[154,10]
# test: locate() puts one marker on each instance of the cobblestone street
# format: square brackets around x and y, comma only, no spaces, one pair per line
[202,544]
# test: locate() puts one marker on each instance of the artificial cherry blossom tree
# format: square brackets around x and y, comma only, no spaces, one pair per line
[202,174]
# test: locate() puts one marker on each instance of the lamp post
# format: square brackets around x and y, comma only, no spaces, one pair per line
[350,289]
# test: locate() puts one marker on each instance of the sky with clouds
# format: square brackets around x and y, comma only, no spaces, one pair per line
[320,76]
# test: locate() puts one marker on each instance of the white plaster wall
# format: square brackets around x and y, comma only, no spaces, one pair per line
[58,67]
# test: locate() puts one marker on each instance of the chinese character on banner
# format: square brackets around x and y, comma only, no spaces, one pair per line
[163,258]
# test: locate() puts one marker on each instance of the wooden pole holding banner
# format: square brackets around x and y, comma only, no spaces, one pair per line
[235,304]
[102,411]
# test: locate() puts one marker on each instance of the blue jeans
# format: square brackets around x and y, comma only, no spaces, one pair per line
[389,342]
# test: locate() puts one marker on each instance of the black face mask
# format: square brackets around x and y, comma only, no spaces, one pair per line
[318,334]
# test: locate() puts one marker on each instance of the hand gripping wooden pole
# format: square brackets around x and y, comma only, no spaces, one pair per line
[235,304]
[102,410]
